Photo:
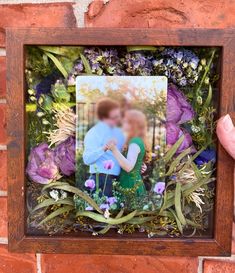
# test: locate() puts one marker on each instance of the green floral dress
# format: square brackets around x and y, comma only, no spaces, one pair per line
[129,180]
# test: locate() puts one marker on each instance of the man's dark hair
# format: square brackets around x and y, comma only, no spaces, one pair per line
[104,107]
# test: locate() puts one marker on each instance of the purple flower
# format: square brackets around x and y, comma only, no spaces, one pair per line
[108,164]
[90,183]
[104,206]
[173,133]
[88,208]
[65,156]
[205,157]
[111,200]
[41,166]
[178,109]
[138,63]
[159,187]
[44,87]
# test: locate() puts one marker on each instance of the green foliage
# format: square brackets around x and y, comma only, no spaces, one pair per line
[171,213]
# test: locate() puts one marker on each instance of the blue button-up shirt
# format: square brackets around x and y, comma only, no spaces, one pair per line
[94,155]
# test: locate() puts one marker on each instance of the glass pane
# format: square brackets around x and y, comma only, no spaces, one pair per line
[82,185]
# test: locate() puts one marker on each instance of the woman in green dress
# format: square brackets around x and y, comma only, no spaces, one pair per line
[131,161]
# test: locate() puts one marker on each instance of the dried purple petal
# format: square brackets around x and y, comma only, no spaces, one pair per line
[65,156]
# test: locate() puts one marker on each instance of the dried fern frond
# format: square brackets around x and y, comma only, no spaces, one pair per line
[65,125]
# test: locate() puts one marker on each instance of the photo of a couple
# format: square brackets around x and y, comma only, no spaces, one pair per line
[120,130]
[118,152]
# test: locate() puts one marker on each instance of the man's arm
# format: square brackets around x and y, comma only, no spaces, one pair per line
[92,149]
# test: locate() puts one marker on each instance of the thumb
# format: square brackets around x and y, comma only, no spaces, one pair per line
[226,133]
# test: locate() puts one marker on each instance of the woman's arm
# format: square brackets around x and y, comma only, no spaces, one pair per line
[129,162]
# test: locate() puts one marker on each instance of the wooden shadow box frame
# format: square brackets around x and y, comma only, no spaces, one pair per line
[19,241]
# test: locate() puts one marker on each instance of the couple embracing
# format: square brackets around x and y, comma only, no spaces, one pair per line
[108,152]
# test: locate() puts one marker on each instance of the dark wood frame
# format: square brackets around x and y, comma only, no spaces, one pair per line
[19,241]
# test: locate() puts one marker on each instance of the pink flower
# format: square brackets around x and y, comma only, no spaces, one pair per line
[108,164]
[90,183]
[159,187]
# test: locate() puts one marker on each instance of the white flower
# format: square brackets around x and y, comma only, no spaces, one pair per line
[63,194]
[195,129]
[106,214]
[54,194]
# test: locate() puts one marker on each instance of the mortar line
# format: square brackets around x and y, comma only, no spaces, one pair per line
[3,193]
[3,101]
[2,52]
[38,260]
[3,240]
[3,147]
[201,260]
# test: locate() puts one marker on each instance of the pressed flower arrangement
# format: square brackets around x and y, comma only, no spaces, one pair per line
[182,205]
[191,173]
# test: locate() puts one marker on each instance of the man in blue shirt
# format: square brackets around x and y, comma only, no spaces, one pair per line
[96,154]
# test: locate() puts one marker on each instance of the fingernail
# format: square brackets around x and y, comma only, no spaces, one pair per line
[227,123]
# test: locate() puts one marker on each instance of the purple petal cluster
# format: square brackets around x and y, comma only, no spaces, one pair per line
[179,65]
[65,156]
[90,183]
[174,132]
[159,187]
[44,163]
[138,63]
[179,111]
[104,61]
[206,156]
[41,166]
[108,164]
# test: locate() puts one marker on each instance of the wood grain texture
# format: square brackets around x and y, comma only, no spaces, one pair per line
[19,241]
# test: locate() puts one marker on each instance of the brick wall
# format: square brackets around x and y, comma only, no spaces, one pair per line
[102,13]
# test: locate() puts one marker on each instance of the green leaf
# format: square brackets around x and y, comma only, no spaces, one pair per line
[173,149]
[50,202]
[86,64]
[196,170]
[140,48]
[178,204]
[208,99]
[191,159]
[81,194]
[58,64]
[102,219]
[72,52]
[107,228]
[56,213]
[177,161]
[179,225]
[141,220]
[53,184]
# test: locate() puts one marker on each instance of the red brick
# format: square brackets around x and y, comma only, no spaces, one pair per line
[2,77]
[3,217]
[16,263]
[3,135]
[3,170]
[118,264]
[35,15]
[95,8]
[214,266]
[168,13]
